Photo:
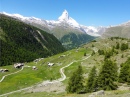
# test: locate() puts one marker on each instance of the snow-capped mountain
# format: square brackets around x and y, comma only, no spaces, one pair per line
[90,30]
[125,24]
[66,24]
[26,19]
[66,18]
[63,21]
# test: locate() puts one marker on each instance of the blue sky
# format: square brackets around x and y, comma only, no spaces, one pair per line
[86,12]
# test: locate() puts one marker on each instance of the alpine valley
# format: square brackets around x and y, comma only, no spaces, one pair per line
[70,33]
[35,62]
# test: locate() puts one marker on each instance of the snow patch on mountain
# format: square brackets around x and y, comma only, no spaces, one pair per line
[64,20]
[26,19]
[90,30]
[125,24]
[64,16]
[15,15]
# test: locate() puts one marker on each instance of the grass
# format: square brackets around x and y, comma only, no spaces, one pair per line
[10,68]
[116,93]
[29,77]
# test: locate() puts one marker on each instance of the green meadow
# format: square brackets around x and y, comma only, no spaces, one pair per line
[29,77]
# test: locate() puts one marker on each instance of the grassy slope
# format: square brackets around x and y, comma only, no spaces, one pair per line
[44,72]
[28,76]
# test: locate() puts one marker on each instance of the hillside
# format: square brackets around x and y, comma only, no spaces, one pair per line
[52,81]
[20,42]
[118,31]
[72,40]
[61,28]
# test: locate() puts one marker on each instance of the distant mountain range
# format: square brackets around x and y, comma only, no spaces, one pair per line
[27,38]
[70,33]
[63,21]
[121,30]
[64,27]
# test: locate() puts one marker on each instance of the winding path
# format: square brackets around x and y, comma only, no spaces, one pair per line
[11,74]
[62,69]
[63,77]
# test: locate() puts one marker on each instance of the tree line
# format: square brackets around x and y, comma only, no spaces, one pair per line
[106,79]
[108,76]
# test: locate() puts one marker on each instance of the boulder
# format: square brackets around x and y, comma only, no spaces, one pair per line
[101,92]
[98,93]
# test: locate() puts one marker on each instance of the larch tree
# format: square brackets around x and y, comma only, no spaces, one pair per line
[124,75]
[91,82]
[108,76]
[75,84]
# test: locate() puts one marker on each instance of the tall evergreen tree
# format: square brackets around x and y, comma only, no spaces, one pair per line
[93,53]
[117,45]
[107,76]
[108,54]
[124,46]
[125,72]
[75,84]
[128,79]
[91,82]
[101,52]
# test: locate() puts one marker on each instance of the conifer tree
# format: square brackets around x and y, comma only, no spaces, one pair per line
[93,53]
[117,45]
[101,52]
[124,46]
[108,76]
[108,54]
[91,82]
[125,72]
[75,84]
[85,54]
[128,79]
[122,56]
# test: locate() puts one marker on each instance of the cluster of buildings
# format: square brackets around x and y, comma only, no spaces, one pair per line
[18,65]
[4,70]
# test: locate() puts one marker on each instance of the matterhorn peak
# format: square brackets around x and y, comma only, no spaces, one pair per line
[64,16]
